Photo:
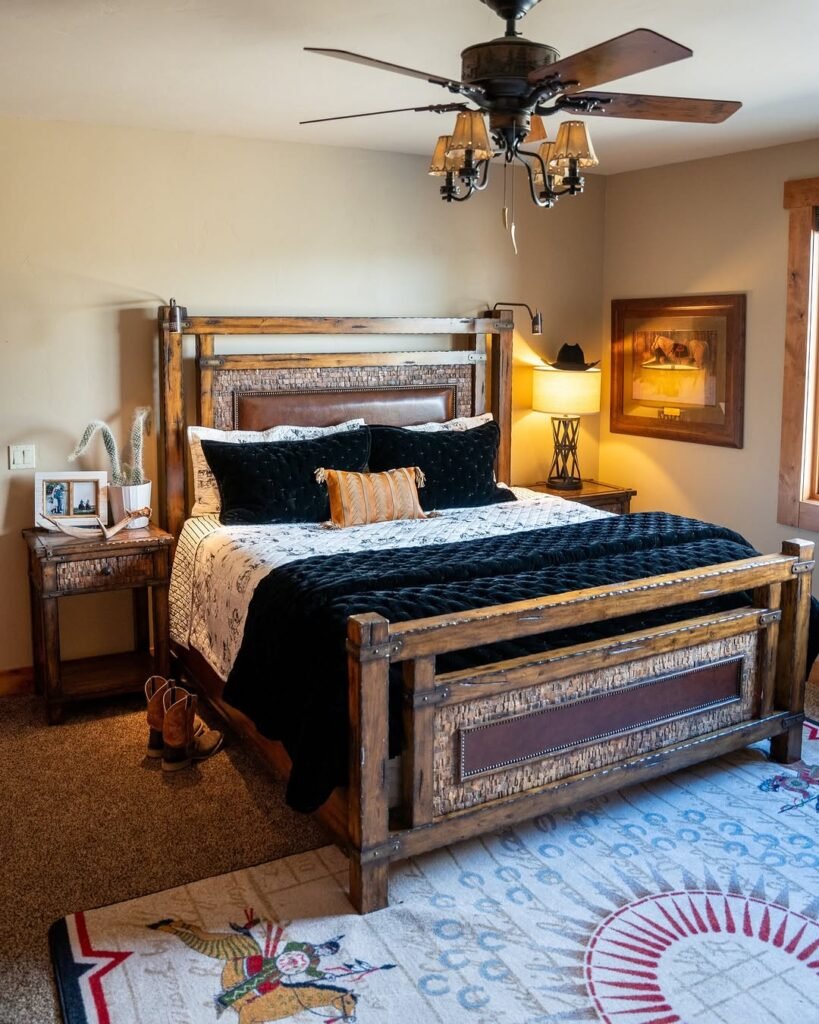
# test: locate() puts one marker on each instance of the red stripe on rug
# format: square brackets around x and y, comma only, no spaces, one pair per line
[97,973]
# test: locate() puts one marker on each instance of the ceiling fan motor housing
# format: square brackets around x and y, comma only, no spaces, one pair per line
[501,67]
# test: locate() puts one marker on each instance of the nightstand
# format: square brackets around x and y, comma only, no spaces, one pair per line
[61,566]
[605,496]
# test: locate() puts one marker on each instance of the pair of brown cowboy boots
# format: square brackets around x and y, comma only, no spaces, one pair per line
[175,732]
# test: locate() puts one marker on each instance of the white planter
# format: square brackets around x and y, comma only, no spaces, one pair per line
[126,498]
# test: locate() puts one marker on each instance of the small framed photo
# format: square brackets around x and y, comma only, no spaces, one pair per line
[678,368]
[72,498]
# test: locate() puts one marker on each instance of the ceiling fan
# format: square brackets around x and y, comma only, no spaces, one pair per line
[516,82]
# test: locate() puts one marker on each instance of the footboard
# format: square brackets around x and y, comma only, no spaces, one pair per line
[510,740]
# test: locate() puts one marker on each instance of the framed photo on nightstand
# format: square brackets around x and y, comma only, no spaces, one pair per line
[75,498]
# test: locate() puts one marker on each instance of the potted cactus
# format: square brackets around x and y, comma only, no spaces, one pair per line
[128,488]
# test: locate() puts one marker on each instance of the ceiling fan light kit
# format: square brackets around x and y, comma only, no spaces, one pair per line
[515,82]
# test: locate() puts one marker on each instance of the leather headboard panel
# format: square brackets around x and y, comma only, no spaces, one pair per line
[395,407]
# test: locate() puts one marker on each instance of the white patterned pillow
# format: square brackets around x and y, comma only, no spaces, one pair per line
[459,423]
[206,500]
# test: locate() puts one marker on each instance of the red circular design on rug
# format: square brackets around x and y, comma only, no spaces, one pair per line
[702,956]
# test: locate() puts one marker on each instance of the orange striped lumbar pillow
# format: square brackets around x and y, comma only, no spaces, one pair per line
[357,499]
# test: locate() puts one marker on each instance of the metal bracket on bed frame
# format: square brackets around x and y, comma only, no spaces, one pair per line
[800,567]
[770,617]
[426,698]
[374,653]
[211,362]
[384,851]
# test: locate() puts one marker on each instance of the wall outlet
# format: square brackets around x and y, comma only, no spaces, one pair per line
[21,456]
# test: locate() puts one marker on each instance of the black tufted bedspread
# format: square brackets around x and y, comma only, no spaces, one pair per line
[290,676]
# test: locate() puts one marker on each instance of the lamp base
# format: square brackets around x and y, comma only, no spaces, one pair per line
[564,472]
[560,483]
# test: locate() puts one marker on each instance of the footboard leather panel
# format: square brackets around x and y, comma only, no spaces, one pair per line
[521,737]
[500,744]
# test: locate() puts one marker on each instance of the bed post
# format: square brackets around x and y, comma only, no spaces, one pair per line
[500,378]
[368,659]
[791,671]
[172,412]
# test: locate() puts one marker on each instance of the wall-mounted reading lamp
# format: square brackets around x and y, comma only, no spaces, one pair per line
[537,317]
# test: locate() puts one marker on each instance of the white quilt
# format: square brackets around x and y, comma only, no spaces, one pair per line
[216,568]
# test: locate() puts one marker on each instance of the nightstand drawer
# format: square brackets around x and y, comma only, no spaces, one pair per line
[92,573]
[618,505]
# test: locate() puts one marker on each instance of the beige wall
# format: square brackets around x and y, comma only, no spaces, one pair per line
[98,225]
[709,226]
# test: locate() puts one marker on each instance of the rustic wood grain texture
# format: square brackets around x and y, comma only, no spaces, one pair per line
[323,325]
[172,413]
[205,348]
[500,393]
[456,631]
[798,406]
[569,792]
[596,656]
[417,758]
[801,193]
[368,692]
[297,360]
[791,670]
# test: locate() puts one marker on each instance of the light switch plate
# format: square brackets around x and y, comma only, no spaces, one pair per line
[21,456]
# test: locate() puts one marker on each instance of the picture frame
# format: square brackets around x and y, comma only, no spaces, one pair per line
[678,368]
[75,498]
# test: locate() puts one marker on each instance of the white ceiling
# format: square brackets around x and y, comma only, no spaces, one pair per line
[237,67]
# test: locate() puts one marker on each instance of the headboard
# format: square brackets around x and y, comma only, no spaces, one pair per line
[252,391]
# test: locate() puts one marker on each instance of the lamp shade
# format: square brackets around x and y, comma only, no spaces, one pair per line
[470,133]
[574,392]
[546,153]
[537,131]
[441,163]
[573,143]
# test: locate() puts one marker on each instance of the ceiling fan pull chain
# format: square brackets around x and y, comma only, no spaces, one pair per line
[512,225]
[505,211]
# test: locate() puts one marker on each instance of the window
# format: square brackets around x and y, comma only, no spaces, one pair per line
[799,451]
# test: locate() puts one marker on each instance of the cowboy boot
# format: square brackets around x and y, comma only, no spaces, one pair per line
[180,745]
[155,687]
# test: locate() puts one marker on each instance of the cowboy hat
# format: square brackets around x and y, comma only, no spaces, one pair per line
[570,357]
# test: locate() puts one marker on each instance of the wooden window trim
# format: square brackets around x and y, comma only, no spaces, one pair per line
[799,453]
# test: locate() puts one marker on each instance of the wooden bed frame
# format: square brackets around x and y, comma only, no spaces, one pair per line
[515,739]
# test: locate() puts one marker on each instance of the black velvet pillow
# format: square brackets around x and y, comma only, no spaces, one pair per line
[273,481]
[458,464]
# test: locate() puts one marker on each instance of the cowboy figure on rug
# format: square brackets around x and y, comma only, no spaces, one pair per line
[270,984]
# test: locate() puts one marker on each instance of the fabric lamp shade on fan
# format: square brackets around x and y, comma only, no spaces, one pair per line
[566,395]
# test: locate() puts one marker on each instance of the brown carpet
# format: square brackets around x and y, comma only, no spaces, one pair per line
[86,820]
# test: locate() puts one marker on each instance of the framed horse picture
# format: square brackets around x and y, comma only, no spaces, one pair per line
[678,368]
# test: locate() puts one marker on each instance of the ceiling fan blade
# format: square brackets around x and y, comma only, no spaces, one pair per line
[435,108]
[659,108]
[357,58]
[640,50]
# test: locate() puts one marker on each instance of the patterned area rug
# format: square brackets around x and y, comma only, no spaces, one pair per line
[690,900]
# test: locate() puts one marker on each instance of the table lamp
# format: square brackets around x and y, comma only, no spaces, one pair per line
[567,389]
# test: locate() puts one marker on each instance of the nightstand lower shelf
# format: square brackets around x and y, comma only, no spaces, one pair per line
[87,678]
